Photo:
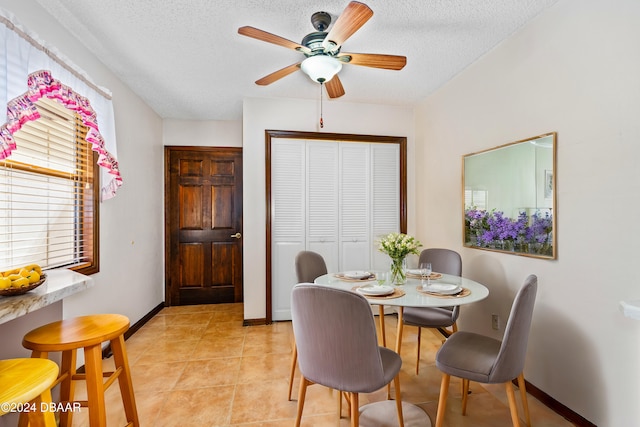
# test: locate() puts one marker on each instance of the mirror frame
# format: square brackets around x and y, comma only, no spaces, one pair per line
[532,234]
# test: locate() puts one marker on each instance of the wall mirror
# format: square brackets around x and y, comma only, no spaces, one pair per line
[510,198]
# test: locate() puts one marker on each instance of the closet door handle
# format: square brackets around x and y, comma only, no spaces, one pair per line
[237,235]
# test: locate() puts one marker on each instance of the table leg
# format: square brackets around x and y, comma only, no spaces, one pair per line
[400,326]
[382,330]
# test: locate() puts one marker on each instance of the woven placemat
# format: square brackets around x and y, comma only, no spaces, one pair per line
[465,292]
[397,293]
[342,277]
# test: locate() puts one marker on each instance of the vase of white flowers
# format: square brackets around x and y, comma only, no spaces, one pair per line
[398,246]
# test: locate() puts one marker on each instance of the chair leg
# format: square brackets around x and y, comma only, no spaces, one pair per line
[383,334]
[339,405]
[302,392]
[294,361]
[465,395]
[400,328]
[442,400]
[355,410]
[396,383]
[347,397]
[523,396]
[511,396]
[418,357]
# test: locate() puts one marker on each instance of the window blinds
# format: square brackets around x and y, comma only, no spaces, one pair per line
[46,192]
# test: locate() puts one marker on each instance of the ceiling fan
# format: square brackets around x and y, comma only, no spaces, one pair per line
[322,50]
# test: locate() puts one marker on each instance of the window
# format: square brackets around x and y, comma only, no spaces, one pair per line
[49,189]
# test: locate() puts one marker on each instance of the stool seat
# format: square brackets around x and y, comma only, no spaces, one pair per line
[26,380]
[22,380]
[78,332]
[87,333]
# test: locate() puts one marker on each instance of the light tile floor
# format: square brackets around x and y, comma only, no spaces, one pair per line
[198,366]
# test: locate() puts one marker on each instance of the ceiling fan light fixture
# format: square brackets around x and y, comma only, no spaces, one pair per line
[321,68]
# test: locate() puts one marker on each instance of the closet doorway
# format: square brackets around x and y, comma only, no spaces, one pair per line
[334,194]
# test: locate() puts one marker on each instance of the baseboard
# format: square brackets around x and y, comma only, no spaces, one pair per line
[254,322]
[556,406]
[140,323]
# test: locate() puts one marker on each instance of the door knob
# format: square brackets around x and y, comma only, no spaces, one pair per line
[237,235]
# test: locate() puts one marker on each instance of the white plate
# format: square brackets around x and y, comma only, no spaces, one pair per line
[442,288]
[356,274]
[415,271]
[375,290]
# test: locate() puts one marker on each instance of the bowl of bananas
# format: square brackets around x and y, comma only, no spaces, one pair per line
[21,280]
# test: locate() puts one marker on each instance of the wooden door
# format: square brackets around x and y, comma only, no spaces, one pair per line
[203,209]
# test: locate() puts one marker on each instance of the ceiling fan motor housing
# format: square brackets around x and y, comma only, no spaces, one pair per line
[314,42]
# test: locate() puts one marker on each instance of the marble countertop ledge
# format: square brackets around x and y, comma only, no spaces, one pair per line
[60,283]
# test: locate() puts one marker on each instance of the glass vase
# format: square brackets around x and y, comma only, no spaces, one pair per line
[398,271]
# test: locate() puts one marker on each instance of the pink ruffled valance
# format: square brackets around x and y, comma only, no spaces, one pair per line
[22,109]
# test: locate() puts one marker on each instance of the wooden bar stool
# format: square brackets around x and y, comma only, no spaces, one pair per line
[88,333]
[25,386]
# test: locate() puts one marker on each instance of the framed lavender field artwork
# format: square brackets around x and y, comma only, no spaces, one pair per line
[509,198]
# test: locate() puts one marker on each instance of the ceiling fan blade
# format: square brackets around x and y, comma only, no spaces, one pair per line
[277,75]
[334,87]
[353,17]
[272,38]
[388,62]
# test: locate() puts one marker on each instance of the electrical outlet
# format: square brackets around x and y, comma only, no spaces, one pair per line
[495,321]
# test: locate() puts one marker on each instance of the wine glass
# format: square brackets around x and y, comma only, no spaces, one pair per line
[425,272]
[382,277]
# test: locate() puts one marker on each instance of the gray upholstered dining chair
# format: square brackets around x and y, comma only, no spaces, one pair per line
[443,261]
[309,266]
[487,360]
[335,334]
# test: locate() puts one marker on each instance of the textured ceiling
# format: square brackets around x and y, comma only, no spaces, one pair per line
[187,61]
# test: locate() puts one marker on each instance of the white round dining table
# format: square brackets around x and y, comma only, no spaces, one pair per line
[380,413]
[412,296]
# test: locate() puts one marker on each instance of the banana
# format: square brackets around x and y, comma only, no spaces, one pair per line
[22,271]
[32,267]
[10,272]
[33,276]
[18,283]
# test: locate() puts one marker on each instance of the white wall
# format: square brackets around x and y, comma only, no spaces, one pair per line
[220,133]
[286,114]
[575,70]
[131,278]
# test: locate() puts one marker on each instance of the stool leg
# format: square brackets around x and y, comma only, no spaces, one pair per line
[95,386]
[124,380]
[67,385]
[39,418]
[24,419]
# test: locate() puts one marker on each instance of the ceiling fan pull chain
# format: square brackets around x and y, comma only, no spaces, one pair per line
[321,121]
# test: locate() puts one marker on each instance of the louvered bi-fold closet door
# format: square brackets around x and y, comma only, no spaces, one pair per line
[385,197]
[322,201]
[288,220]
[355,206]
